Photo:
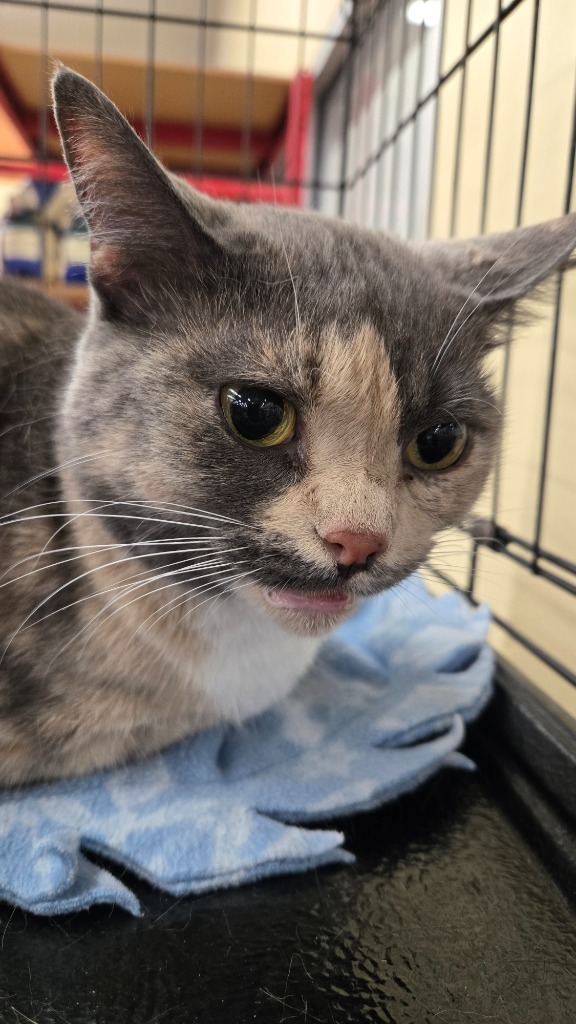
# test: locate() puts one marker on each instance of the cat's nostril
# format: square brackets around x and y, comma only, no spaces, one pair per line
[351,547]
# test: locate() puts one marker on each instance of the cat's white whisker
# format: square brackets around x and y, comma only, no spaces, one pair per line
[103,515]
[449,336]
[186,565]
[126,591]
[98,549]
[185,599]
[54,594]
[56,469]
[150,505]
[222,567]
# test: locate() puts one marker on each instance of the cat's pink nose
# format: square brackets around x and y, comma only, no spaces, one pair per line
[352,548]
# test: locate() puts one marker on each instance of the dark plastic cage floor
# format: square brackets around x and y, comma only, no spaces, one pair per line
[450,915]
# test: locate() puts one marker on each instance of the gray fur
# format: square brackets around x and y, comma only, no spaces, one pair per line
[190,294]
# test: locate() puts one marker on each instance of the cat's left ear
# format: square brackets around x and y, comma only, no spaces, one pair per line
[145,227]
[495,271]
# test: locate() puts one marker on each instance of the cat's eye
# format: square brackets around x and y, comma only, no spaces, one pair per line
[260,417]
[437,447]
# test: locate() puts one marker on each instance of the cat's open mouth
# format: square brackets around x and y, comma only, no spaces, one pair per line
[325,603]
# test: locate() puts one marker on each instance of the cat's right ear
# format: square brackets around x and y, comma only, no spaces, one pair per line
[141,230]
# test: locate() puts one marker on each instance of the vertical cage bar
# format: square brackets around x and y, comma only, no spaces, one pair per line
[460,126]
[416,139]
[397,119]
[198,160]
[483,219]
[490,131]
[249,89]
[368,85]
[553,362]
[43,125]
[99,43]
[150,72]
[347,109]
[436,101]
[43,90]
[379,152]
[519,214]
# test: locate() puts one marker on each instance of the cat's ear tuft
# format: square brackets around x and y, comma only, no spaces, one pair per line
[140,226]
[498,270]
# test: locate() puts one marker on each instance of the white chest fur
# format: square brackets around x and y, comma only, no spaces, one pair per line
[253,663]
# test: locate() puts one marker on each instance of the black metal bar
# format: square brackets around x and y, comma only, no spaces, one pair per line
[348,86]
[435,136]
[490,130]
[43,84]
[416,138]
[484,213]
[552,577]
[199,118]
[553,359]
[391,139]
[249,90]
[519,212]
[380,183]
[522,639]
[460,126]
[173,19]
[99,44]
[150,57]
[370,64]
[397,119]
[506,537]
[301,61]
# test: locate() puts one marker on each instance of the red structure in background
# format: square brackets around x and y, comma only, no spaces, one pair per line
[286,149]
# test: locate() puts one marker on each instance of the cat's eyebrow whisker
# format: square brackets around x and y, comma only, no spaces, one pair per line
[56,469]
[449,336]
[481,401]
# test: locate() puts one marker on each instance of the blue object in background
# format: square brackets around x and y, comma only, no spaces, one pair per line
[23,268]
[382,709]
[76,273]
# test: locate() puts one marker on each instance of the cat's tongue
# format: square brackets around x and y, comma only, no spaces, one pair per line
[323,604]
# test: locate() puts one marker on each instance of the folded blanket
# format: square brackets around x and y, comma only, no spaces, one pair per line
[381,710]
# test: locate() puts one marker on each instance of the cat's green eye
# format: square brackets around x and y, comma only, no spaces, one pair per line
[437,447]
[260,417]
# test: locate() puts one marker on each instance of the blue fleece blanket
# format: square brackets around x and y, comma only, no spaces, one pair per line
[382,709]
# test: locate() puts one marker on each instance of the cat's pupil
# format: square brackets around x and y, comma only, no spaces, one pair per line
[435,443]
[255,412]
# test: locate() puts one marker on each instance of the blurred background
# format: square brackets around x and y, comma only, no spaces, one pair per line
[422,117]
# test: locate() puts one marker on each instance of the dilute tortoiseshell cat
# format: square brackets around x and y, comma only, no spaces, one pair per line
[266,416]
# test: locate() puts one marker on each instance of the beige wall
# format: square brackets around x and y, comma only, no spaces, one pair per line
[541,611]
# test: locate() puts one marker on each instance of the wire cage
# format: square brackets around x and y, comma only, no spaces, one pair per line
[421,117]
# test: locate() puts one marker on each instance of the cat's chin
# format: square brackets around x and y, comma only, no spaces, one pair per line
[309,614]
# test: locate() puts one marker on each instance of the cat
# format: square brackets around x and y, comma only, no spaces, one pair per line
[266,416]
